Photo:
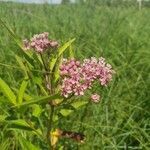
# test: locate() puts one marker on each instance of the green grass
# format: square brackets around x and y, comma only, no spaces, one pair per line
[121,35]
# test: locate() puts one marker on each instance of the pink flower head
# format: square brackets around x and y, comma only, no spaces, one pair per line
[95,98]
[77,77]
[40,43]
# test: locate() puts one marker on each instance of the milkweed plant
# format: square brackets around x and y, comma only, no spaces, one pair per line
[58,82]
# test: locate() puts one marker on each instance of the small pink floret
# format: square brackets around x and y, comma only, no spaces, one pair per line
[95,98]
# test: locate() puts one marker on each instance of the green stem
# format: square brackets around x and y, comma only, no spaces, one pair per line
[49,127]
[51,110]
[45,67]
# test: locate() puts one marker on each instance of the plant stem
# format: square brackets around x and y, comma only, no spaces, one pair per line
[49,127]
[45,66]
[51,110]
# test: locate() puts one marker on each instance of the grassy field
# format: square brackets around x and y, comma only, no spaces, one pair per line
[122,36]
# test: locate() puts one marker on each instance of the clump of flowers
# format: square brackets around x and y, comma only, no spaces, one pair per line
[77,77]
[95,98]
[40,43]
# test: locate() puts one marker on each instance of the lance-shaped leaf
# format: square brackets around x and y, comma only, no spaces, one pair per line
[56,72]
[27,145]
[26,96]
[41,100]
[78,104]
[60,52]
[7,92]
[71,52]
[65,46]
[65,112]
[36,110]
[38,81]
[21,64]
[19,124]
[22,91]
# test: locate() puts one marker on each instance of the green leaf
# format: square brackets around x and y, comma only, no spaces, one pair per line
[60,52]
[22,91]
[37,58]
[39,82]
[78,104]
[55,118]
[43,99]
[57,71]
[21,64]
[26,145]
[53,61]
[7,92]
[26,96]
[19,124]
[71,52]
[2,118]
[65,46]
[36,110]
[65,112]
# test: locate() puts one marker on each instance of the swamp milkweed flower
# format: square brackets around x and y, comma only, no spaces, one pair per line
[95,98]
[40,43]
[77,77]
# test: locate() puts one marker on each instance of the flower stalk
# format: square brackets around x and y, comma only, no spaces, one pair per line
[74,78]
[49,127]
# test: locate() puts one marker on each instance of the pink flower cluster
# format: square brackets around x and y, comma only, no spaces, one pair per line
[40,43]
[95,98]
[77,77]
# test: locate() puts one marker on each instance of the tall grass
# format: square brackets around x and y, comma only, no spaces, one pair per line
[121,34]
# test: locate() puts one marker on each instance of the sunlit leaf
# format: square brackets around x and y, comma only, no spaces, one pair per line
[26,96]
[36,110]
[22,91]
[38,81]
[65,112]
[27,145]
[7,92]
[43,99]
[19,124]
[21,64]
[71,52]
[78,104]
[60,52]
[65,46]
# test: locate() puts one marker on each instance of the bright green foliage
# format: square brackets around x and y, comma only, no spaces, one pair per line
[22,91]
[7,92]
[78,104]
[65,112]
[60,52]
